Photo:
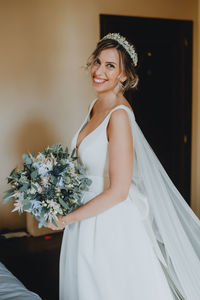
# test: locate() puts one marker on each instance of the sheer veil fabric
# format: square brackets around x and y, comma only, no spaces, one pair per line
[173,227]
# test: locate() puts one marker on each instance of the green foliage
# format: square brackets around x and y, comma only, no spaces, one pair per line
[8,195]
[24,187]
[27,159]
[49,184]
[53,180]
[63,203]
[34,175]
[54,223]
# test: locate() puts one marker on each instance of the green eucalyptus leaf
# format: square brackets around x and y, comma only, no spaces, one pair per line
[63,203]
[66,151]
[34,175]
[24,187]
[12,172]
[73,154]
[27,159]
[53,179]
[8,195]
[27,206]
[54,223]
[43,211]
[88,181]
[67,179]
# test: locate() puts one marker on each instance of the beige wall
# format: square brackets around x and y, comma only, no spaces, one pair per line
[44,43]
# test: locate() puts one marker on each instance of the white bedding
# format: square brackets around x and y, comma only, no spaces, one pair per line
[12,289]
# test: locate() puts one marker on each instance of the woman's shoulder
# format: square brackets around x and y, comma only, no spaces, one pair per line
[125,103]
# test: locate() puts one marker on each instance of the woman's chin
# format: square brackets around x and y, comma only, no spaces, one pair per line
[100,88]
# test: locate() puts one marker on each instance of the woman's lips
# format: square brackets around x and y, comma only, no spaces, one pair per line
[99,80]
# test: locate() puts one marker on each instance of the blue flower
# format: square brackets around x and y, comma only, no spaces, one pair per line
[36,207]
[60,182]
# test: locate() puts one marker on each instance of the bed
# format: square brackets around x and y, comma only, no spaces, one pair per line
[12,289]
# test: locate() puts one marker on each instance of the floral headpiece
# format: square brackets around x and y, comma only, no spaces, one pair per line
[124,43]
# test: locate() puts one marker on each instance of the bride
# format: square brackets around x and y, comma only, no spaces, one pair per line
[134,237]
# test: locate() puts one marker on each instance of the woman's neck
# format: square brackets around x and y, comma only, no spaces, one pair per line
[109,99]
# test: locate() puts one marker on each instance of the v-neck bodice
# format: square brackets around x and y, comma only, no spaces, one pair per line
[84,124]
[93,148]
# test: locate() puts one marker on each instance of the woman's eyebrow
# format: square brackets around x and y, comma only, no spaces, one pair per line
[111,62]
[108,62]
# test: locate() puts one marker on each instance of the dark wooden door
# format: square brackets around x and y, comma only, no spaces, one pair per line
[163,101]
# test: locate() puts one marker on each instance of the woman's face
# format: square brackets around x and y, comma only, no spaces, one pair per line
[105,71]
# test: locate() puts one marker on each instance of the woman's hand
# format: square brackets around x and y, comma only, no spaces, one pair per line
[61,223]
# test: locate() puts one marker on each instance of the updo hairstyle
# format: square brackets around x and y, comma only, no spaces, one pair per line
[127,64]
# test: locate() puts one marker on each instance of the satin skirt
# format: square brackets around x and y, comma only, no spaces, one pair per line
[111,257]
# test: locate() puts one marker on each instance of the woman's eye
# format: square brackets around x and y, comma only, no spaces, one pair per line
[110,66]
[96,62]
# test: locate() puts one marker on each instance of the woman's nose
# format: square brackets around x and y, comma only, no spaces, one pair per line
[100,70]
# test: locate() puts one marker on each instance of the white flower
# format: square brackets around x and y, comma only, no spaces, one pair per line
[32,191]
[50,216]
[53,159]
[54,205]
[73,200]
[71,164]
[39,188]
[40,157]
[69,185]
[72,170]
[45,180]
[19,195]
[42,170]
[18,206]
[49,164]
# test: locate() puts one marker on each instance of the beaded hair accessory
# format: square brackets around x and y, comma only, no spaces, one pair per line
[125,44]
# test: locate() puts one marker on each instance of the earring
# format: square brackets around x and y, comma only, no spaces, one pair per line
[120,83]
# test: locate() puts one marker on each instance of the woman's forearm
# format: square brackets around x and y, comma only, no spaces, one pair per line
[95,206]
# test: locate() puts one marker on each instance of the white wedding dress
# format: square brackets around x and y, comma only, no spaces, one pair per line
[109,256]
[144,248]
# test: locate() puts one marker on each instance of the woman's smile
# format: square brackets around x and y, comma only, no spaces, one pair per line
[98,80]
[105,71]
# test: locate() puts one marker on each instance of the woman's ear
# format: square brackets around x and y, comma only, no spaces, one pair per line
[122,77]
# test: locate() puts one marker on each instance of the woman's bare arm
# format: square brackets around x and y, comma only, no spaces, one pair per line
[120,151]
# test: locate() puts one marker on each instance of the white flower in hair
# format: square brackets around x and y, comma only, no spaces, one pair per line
[124,43]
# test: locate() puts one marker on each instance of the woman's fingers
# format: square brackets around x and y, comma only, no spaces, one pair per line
[51,226]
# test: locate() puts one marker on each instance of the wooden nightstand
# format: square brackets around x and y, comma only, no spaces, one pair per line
[35,262]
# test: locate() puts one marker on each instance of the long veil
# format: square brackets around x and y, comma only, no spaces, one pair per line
[171,224]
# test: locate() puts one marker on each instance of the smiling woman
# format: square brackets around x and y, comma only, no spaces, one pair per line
[106,71]
[122,243]
[117,59]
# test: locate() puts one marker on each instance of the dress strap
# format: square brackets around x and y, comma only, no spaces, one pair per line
[129,111]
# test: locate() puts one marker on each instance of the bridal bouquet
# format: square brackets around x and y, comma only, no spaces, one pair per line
[49,184]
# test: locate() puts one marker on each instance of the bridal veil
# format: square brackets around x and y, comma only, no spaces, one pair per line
[171,224]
